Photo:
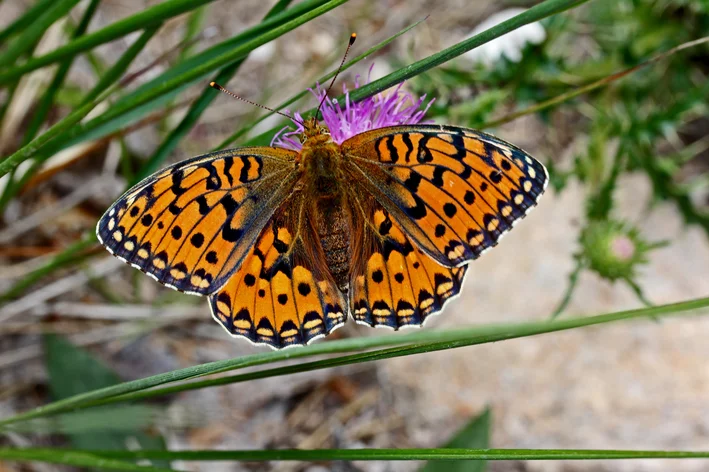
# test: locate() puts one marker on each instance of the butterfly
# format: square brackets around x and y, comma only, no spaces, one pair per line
[286,244]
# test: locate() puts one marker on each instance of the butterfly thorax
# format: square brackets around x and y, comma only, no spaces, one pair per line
[321,161]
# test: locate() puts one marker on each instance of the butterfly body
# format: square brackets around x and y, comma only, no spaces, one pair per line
[286,243]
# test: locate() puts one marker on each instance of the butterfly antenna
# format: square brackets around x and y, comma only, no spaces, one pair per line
[232,94]
[353,36]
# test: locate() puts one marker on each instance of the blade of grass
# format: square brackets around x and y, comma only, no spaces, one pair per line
[26,19]
[96,96]
[34,30]
[76,459]
[198,107]
[536,13]
[165,87]
[146,18]
[364,454]
[193,28]
[108,79]
[427,339]
[388,353]
[474,435]
[323,79]
[47,100]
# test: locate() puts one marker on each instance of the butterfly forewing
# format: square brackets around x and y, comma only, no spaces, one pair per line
[454,191]
[190,225]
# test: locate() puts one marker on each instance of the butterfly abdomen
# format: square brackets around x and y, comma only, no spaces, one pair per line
[335,238]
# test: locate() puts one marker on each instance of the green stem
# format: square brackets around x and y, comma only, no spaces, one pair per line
[85,460]
[353,454]
[431,339]
[164,87]
[573,280]
[592,86]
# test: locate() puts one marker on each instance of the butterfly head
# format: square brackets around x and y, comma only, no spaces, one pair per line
[311,128]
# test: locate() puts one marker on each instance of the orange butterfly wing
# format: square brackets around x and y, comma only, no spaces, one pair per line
[393,283]
[190,225]
[454,191]
[282,295]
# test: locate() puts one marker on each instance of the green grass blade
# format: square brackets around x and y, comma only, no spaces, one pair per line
[197,108]
[427,340]
[321,80]
[164,88]
[474,435]
[47,100]
[536,13]
[118,69]
[146,18]
[77,459]
[26,19]
[96,96]
[318,455]
[193,27]
[34,30]
[31,148]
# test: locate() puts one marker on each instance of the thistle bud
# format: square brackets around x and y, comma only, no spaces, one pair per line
[613,249]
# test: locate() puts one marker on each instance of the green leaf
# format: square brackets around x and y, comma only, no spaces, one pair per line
[73,371]
[474,435]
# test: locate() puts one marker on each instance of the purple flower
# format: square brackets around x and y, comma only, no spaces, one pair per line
[351,118]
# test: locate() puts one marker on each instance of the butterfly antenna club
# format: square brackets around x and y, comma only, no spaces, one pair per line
[353,37]
[216,86]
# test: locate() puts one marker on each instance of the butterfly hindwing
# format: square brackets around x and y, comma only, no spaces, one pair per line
[280,295]
[454,191]
[393,283]
[190,225]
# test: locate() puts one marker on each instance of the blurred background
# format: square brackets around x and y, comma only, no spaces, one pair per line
[623,224]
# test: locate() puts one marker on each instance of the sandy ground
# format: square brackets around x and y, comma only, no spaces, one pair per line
[636,385]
